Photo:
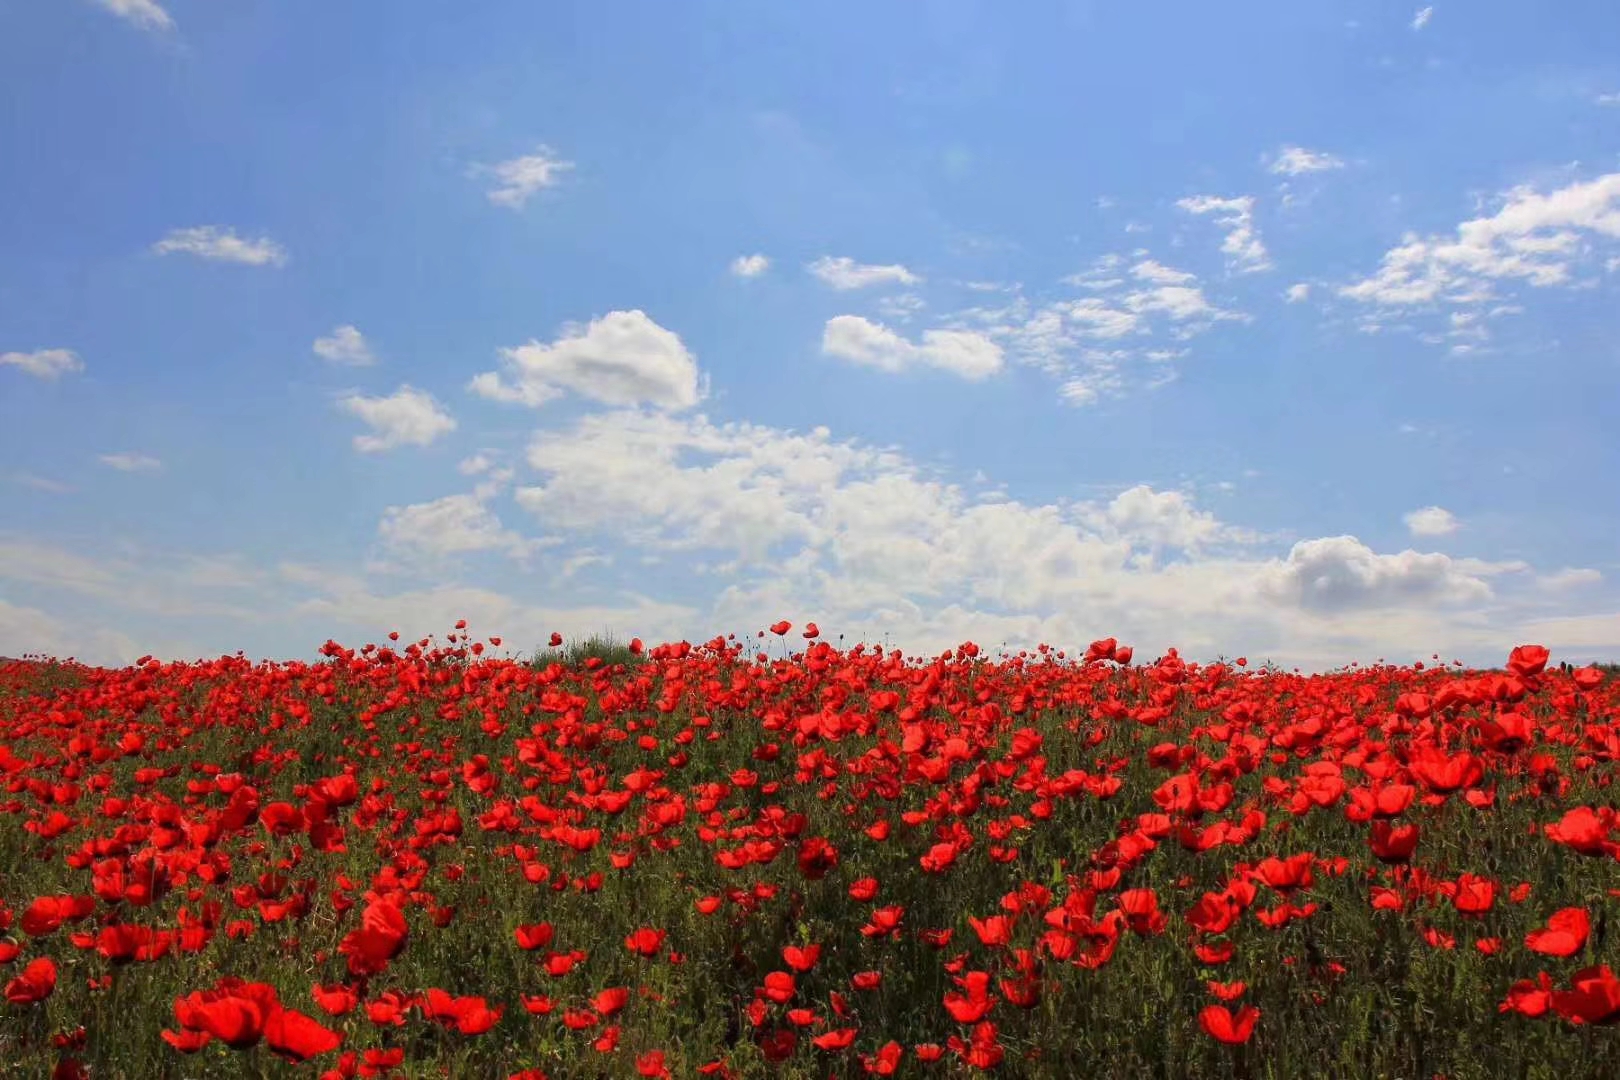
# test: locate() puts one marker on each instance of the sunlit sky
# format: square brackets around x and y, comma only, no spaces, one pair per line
[1269,329]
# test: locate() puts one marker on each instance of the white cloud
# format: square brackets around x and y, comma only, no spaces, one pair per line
[1576,632]
[1159,274]
[221,245]
[865,540]
[748,266]
[901,307]
[1571,578]
[475,465]
[1160,518]
[1608,99]
[1533,237]
[749,523]
[453,525]
[1340,573]
[521,177]
[406,417]
[1180,302]
[623,358]
[1094,318]
[40,483]
[43,363]
[861,341]
[155,583]
[1298,292]
[27,630]
[1430,521]
[1421,19]
[1090,344]
[345,345]
[845,273]
[1296,160]
[145,14]
[129,461]
[1244,250]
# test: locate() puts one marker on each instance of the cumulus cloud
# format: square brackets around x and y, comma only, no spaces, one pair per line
[345,345]
[749,523]
[623,358]
[1431,521]
[1421,19]
[221,245]
[1161,519]
[867,541]
[845,273]
[517,180]
[453,525]
[1298,292]
[1296,161]
[407,417]
[130,461]
[748,266]
[146,14]
[1339,573]
[861,341]
[1242,246]
[43,363]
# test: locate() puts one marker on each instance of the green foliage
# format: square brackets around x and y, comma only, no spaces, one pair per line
[603,647]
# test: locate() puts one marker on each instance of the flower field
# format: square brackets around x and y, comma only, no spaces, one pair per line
[781,858]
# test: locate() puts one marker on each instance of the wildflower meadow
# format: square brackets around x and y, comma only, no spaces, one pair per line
[781,858]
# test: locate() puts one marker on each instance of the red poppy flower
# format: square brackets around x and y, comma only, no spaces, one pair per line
[1565,934]
[296,1037]
[1474,895]
[1219,1023]
[645,942]
[801,959]
[36,983]
[1594,997]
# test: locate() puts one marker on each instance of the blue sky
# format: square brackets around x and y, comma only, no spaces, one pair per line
[1258,328]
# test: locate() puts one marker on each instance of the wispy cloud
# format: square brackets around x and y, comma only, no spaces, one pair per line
[844,273]
[221,245]
[748,266]
[45,363]
[1421,19]
[40,483]
[1296,160]
[1245,253]
[129,461]
[1535,237]
[146,14]
[521,177]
